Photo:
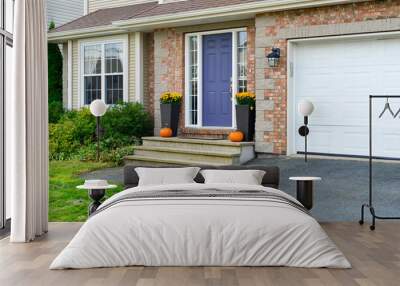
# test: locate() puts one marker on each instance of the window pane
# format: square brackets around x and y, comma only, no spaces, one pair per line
[92,59]
[242,61]
[242,86]
[8,94]
[114,89]
[113,54]
[2,110]
[92,88]
[193,80]
[242,39]
[9,14]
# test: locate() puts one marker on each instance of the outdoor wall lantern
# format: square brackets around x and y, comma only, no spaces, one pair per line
[273,57]
[98,108]
[305,109]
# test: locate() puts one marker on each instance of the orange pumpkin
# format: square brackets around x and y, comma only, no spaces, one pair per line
[236,136]
[166,132]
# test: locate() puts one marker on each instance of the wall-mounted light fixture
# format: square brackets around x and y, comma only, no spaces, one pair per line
[273,57]
[305,109]
[98,108]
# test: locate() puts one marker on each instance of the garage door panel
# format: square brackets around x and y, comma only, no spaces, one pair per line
[325,114]
[353,114]
[352,79]
[338,77]
[390,78]
[390,55]
[328,140]
[356,142]
[315,81]
[319,139]
[334,112]
[390,145]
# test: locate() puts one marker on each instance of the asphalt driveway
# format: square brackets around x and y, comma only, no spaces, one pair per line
[344,185]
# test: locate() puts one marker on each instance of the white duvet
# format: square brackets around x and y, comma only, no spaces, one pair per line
[200,232]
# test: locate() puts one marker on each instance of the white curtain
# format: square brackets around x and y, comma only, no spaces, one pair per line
[27,146]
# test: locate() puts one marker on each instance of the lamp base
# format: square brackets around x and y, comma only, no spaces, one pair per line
[304,131]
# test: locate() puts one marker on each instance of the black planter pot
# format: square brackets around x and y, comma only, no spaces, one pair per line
[170,117]
[245,121]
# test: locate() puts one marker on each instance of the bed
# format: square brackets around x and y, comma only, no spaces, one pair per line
[198,224]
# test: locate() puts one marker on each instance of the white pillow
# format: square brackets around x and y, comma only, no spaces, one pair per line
[247,177]
[166,176]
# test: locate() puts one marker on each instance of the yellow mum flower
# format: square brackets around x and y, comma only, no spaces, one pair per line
[171,97]
[246,98]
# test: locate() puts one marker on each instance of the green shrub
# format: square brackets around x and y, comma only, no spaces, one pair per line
[74,136]
[115,155]
[127,122]
[74,130]
[62,143]
[56,111]
[84,125]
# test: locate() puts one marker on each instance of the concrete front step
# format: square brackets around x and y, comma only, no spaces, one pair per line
[196,144]
[224,158]
[154,162]
[183,151]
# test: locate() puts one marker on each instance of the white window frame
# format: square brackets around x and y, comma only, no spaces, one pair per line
[82,44]
[200,77]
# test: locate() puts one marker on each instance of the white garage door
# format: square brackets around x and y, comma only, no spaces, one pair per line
[338,76]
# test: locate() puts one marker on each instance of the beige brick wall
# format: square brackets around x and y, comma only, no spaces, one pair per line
[148,71]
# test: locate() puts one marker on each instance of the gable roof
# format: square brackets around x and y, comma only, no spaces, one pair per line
[152,14]
[105,17]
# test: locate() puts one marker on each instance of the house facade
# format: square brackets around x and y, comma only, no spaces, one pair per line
[333,53]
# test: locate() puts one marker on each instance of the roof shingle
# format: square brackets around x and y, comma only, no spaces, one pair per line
[105,17]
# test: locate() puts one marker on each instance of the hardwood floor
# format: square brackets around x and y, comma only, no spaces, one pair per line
[375,257]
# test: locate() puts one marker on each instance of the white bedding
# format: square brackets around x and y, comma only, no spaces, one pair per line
[200,232]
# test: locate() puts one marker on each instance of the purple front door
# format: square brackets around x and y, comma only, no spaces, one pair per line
[217,74]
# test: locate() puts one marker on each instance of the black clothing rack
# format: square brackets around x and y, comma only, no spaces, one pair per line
[369,205]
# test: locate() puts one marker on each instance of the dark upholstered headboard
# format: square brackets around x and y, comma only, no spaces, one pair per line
[271,178]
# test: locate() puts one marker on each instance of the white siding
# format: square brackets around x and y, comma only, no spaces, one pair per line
[132,68]
[61,11]
[75,75]
[101,4]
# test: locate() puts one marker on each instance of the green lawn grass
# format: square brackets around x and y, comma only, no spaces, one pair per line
[66,203]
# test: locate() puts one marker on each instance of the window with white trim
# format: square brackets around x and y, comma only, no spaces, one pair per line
[242,61]
[103,72]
